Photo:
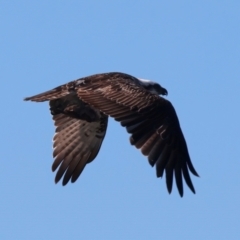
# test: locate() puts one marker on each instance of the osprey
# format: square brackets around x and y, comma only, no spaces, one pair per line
[80,112]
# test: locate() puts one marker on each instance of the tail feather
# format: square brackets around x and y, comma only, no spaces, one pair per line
[55,93]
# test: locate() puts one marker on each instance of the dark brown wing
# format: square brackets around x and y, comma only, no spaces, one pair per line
[150,119]
[80,130]
[76,143]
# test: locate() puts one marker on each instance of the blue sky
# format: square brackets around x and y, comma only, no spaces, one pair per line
[192,48]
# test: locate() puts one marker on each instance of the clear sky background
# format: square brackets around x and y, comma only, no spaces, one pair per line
[192,48]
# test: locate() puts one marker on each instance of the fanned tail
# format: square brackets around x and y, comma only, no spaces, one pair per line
[55,93]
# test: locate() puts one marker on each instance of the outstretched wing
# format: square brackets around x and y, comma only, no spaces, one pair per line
[76,143]
[80,130]
[150,119]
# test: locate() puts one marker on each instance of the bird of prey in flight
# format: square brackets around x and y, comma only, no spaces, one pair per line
[80,111]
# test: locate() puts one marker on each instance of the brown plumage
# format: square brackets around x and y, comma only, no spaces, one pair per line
[81,108]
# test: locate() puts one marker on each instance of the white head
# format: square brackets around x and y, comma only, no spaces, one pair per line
[153,87]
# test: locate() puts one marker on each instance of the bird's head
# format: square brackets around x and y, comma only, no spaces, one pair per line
[153,87]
